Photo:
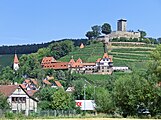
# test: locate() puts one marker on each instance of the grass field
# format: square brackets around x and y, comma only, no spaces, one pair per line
[98,119]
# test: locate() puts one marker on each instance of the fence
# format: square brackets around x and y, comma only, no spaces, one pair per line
[54,113]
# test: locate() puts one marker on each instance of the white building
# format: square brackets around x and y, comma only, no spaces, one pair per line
[16,63]
[19,99]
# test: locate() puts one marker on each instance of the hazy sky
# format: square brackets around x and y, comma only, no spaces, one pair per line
[37,21]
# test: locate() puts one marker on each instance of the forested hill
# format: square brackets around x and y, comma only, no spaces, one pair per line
[32,48]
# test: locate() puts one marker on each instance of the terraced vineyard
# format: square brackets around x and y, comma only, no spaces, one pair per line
[122,55]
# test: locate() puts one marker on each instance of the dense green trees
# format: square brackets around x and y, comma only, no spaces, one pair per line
[62,100]
[3,102]
[106,28]
[96,31]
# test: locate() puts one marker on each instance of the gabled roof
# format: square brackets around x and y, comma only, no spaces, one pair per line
[105,55]
[16,61]
[48,60]
[72,63]
[7,90]
[79,60]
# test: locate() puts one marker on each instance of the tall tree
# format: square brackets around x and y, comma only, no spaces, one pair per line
[142,33]
[89,35]
[106,28]
[96,30]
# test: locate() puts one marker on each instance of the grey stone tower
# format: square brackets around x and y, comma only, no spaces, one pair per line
[121,25]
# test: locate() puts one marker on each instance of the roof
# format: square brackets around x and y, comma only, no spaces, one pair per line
[58,83]
[31,92]
[98,60]
[79,60]
[72,63]
[46,82]
[82,45]
[16,61]
[23,86]
[89,64]
[46,60]
[7,90]
[105,55]
[70,89]
[122,20]
[57,65]
[49,77]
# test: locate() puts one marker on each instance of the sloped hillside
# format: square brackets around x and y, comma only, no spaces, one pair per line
[122,55]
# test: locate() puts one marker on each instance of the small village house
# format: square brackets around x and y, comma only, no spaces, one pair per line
[19,99]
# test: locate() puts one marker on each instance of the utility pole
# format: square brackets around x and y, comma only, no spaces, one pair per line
[84,97]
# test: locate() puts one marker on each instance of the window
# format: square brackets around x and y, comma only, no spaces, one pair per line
[18,99]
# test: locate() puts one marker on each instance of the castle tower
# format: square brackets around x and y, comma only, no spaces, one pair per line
[16,63]
[121,25]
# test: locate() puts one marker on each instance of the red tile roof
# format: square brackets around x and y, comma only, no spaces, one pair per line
[56,66]
[23,86]
[98,60]
[58,83]
[79,60]
[16,61]
[72,63]
[31,92]
[47,60]
[105,55]
[7,90]
[47,82]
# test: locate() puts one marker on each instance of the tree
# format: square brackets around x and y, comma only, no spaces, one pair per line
[3,102]
[106,28]
[131,91]
[104,102]
[7,74]
[89,35]
[45,97]
[96,30]
[142,33]
[159,40]
[62,100]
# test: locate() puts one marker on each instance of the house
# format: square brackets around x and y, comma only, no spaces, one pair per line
[30,84]
[51,63]
[51,82]
[19,99]
[104,65]
[70,89]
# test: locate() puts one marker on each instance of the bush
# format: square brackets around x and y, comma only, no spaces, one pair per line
[9,115]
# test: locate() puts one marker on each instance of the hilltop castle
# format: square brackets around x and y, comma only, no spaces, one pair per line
[121,32]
